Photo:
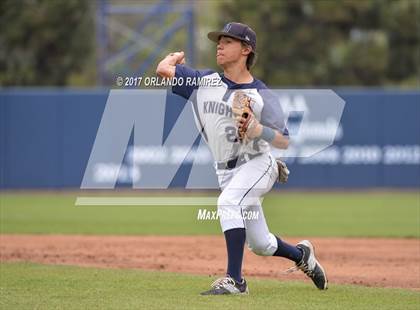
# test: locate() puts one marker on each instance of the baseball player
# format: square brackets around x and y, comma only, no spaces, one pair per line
[240,118]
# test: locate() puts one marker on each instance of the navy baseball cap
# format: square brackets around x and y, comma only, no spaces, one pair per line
[237,31]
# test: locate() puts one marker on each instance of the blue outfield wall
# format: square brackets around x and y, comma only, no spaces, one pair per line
[46,137]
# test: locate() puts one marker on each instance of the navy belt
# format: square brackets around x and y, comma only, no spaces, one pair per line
[236,162]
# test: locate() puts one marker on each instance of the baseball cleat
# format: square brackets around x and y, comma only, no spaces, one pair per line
[310,265]
[227,286]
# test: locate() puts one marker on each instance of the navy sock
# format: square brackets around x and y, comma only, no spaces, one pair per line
[288,251]
[235,242]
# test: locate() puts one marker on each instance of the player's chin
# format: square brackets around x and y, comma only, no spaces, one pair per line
[220,60]
[222,64]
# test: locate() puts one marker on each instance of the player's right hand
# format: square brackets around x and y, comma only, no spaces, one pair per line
[166,68]
[177,58]
[182,60]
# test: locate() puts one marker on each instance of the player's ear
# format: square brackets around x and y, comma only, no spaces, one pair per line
[246,49]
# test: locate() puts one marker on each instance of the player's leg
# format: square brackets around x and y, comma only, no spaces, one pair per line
[236,184]
[262,242]
[242,184]
[234,232]
[246,187]
[232,225]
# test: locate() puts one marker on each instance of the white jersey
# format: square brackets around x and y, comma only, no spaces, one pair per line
[212,107]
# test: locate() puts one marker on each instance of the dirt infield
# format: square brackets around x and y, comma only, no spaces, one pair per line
[369,262]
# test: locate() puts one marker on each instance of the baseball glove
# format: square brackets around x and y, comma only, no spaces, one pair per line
[242,110]
[283,171]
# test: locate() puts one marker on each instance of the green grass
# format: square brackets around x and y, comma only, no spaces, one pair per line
[364,214]
[33,286]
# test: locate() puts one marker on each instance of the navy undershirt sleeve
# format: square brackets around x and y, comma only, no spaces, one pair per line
[183,71]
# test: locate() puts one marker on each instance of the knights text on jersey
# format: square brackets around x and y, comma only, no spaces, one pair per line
[212,106]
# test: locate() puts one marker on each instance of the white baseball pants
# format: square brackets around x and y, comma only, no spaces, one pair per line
[239,204]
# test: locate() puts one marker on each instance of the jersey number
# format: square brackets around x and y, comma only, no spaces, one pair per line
[231,136]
